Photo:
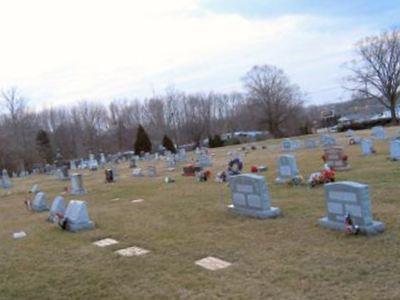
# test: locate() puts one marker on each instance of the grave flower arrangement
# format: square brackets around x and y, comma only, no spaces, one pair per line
[325,176]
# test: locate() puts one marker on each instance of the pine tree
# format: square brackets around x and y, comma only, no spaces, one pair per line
[168,144]
[44,147]
[142,143]
[216,141]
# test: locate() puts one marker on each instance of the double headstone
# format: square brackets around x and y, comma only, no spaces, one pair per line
[335,158]
[378,132]
[250,197]
[77,216]
[77,184]
[367,147]
[395,149]
[287,169]
[346,197]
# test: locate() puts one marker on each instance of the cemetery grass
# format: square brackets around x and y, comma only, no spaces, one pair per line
[285,258]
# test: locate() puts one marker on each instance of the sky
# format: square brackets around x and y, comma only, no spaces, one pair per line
[59,52]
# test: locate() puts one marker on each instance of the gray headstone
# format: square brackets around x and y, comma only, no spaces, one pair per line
[353,198]
[5,180]
[287,169]
[287,145]
[57,207]
[327,140]
[77,184]
[77,216]
[335,158]
[40,202]
[349,133]
[250,196]
[395,149]
[310,143]
[204,160]
[151,171]
[367,147]
[378,132]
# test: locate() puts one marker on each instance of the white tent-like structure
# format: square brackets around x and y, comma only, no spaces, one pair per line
[77,216]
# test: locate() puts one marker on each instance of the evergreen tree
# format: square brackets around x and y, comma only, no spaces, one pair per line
[168,144]
[142,143]
[44,147]
[216,141]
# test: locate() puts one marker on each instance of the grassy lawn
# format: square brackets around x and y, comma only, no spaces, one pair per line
[285,258]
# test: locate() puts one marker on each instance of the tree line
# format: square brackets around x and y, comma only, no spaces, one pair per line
[270,102]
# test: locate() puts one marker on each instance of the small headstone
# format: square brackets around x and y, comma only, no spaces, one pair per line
[62,173]
[355,140]
[72,165]
[77,216]
[378,132]
[395,149]
[287,169]
[367,147]
[351,198]
[93,164]
[151,171]
[132,251]
[250,197]
[5,180]
[335,158]
[327,140]
[39,203]
[310,143]
[137,172]
[204,160]
[34,189]
[212,263]
[287,145]
[77,184]
[349,133]
[57,209]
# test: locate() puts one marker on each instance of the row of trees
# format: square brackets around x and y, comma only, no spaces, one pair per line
[271,103]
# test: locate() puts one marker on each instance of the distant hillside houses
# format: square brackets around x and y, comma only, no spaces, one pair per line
[363,117]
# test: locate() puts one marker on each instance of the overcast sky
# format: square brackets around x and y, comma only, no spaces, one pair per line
[60,52]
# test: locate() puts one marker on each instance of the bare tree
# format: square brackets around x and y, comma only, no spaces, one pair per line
[273,99]
[376,71]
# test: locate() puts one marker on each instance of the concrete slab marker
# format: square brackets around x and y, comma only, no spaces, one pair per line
[132,251]
[105,242]
[212,263]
